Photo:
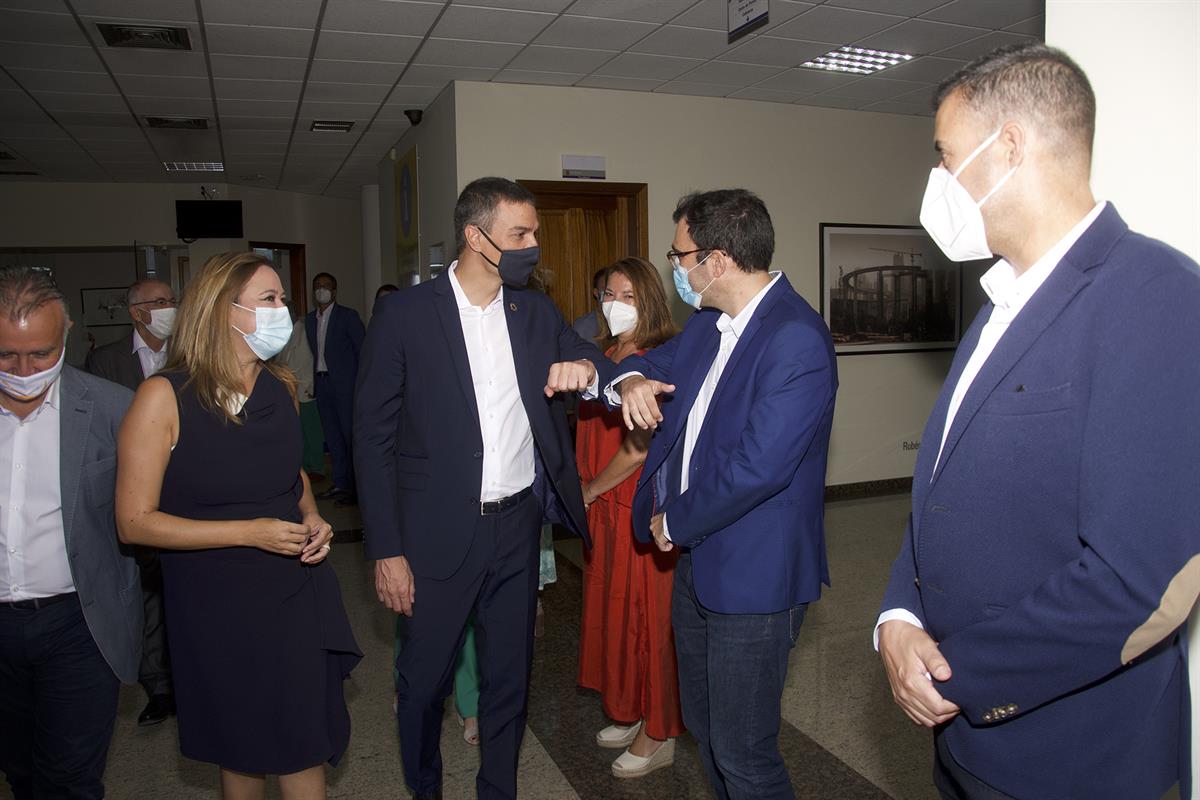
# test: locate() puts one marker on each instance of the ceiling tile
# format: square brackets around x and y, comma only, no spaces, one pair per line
[165,87]
[827,24]
[675,40]
[242,139]
[617,82]
[17,107]
[1034,26]
[155,62]
[986,13]
[777,52]
[242,40]
[379,16]
[700,89]
[587,31]
[335,71]
[379,47]
[530,76]
[714,14]
[102,126]
[409,95]
[491,25]
[264,13]
[173,107]
[459,53]
[62,101]
[40,28]
[805,80]
[984,45]
[424,75]
[640,65]
[360,112]
[825,101]
[553,6]
[46,80]
[920,36]
[900,107]
[32,136]
[248,89]
[142,10]
[256,108]
[903,8]
[874,89]
[657,11]
[926,69]
[769,95]
[36,56]
[560,59]
[263,67]
[727,73]
[321,92]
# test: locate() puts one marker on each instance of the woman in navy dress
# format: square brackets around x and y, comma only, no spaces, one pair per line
[210,472]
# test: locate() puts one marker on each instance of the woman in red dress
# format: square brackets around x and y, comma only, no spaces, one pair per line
[626,647]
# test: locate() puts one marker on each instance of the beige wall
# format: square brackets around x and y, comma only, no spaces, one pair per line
[810,165]
[43,214]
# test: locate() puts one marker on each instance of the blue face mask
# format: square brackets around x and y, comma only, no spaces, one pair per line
[684,286]
[272,330]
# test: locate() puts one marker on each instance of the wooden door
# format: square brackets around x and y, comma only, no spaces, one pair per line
[583,228]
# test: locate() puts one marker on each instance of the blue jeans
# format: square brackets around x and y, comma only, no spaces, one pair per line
[731,673]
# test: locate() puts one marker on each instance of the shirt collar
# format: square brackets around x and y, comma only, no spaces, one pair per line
[461,297]
[1010,291]
[737,325]
[139,343]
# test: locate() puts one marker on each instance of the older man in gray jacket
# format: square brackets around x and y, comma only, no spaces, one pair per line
[70,600]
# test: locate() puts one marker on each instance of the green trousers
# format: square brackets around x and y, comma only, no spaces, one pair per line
[314,438]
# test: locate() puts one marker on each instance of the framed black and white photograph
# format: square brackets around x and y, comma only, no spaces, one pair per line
[103,307]
[888,289]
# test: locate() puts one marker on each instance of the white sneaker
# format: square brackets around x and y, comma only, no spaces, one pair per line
[618,737]
[630,766]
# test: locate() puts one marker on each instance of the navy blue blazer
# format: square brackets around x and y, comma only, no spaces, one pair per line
[343,343]
[753,514]
[1065,504]
[418,450]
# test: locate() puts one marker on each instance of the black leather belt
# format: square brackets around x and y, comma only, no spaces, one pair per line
[504,503]
[34,603]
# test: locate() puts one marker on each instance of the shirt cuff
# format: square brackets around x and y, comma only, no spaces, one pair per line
[610,392]
[666,530]
[901,614]
[593,389]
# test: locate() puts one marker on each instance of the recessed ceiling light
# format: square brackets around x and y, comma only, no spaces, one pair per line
[194,166]
[331,126]
[155,37]
[857,60]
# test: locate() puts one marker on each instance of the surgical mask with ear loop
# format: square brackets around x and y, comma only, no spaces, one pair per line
[951,216]
[683,284]
[30,387]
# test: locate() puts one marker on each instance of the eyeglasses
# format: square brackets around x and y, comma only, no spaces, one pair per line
[674,255]
[159,302]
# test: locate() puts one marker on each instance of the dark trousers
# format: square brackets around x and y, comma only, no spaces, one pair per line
[731,673]
[58,701]
[154,671]
[955,783]
[336,408]
[497,583]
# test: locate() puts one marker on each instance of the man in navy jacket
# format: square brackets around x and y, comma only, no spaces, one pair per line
[735,477]
[1033,615]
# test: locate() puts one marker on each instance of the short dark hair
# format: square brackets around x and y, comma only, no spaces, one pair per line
[24,290]
[600,276]
[478,201]
[386,288]
[733,220]
[1035,80]
[320,275]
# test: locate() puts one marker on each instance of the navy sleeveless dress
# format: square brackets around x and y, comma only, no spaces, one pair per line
[260,643]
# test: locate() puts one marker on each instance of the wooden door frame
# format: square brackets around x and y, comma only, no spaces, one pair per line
[552,194]
[297,268]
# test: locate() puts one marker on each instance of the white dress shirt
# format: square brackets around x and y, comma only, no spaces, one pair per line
[151,361]
[1009,292]
[33,562]
[322,327]
[507,438]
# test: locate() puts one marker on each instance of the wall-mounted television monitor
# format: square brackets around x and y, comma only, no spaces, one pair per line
[208,219]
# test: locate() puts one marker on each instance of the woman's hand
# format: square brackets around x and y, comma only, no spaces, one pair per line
[278,536]
[588,496]
[320,541]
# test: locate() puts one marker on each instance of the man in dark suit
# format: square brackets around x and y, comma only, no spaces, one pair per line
[70,603]
[735,478]
[462,449]
[335,336]
[129,361]
[1033,615]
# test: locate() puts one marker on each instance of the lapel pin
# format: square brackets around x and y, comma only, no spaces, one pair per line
[512,306]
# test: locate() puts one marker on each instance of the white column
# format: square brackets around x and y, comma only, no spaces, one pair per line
[372,266]
[1143,59]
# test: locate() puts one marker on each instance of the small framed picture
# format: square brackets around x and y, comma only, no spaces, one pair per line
[102,307]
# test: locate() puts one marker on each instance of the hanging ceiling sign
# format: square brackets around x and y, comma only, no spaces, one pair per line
[745,16]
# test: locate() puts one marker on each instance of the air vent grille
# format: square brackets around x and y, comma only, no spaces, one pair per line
[331,126]
[157,37]
[5,156]
[19,172]
[178,123]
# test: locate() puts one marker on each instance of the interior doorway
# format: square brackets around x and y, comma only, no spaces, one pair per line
[289,258]
[586,226]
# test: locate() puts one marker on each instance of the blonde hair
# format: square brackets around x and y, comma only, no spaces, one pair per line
[201,345]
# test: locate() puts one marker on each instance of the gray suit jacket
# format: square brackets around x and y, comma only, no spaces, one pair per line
[105,577]
[117,362]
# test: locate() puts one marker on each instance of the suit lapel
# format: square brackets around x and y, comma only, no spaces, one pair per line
[447,311]
[517,318]
[75,421]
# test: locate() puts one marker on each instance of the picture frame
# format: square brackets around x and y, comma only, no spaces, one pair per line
[888,289]
[104,306]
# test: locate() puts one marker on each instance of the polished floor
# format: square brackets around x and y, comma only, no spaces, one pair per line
[841,735]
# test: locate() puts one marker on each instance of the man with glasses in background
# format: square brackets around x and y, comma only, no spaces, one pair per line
[129,361]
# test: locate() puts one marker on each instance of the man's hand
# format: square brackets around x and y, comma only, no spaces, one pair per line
[659,533]
[570,376]
[911,656]
[394,584]
[639,405]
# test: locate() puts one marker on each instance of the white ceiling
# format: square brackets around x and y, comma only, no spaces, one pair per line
[72,108]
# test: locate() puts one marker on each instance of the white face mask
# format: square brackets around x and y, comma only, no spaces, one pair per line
[324,296]
[621,317]
[951,215]
[31,387]
[162,322]
[272,330]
